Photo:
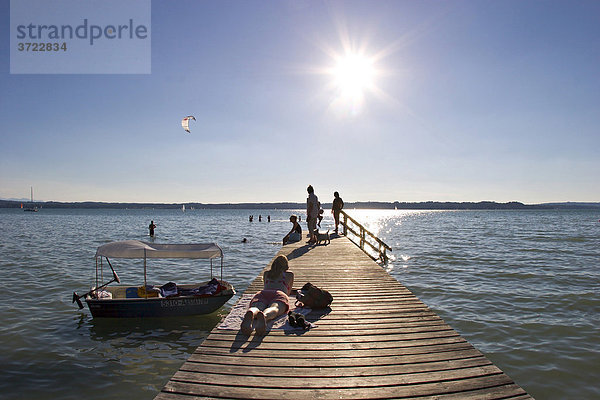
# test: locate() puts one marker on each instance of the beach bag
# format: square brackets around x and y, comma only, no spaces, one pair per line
[168,289]
[312,297]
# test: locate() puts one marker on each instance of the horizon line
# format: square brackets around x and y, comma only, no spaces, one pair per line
[296,204]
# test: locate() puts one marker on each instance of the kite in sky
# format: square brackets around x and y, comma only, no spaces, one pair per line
[185,123]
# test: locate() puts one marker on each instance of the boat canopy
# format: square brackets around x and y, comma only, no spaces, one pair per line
[139,249]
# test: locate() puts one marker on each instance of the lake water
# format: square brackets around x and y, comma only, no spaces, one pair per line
[522,286]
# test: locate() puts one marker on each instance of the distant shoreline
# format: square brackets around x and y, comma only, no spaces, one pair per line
[427,205]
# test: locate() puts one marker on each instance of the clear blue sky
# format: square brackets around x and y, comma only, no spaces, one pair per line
[466,101]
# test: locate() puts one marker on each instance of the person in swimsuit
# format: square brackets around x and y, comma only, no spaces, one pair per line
[272,301]
[151,228]
[295,234]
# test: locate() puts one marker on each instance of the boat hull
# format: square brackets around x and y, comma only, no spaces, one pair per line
[157,307]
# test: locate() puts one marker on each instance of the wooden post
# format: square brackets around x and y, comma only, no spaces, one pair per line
[383,254]
[362,238]
[145,282]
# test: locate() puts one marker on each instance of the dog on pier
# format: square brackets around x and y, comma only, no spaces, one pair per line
[322,237]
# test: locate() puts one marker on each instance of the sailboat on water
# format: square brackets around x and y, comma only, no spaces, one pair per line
[31,207]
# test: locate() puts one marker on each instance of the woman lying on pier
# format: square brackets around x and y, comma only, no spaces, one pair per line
[272,301]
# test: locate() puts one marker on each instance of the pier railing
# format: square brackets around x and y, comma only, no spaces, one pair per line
[365,237]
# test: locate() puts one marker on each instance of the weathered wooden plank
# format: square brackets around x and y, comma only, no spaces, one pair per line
[510,391]
[345,392]
[407,355]
[340,341]
[353,351]
[451,353]
[342,381]
[347,329]
[303,371]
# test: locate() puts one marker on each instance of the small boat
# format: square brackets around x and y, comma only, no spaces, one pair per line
[31,208]
[170,299]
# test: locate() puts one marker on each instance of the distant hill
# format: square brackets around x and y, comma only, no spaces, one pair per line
[572,204]
[428,205]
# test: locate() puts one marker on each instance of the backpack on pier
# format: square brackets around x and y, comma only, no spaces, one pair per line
[312,297]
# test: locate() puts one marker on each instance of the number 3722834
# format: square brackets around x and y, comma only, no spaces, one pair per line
[42,46]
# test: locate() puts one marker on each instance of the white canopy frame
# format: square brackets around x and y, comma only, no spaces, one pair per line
[145,250]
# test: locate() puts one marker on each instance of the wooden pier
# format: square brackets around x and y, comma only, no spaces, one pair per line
[378,341]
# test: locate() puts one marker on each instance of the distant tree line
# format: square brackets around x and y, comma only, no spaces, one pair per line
[427,205]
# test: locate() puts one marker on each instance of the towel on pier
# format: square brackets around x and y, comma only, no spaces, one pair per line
[234,319]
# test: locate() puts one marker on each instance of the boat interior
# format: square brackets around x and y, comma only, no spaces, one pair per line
[202,289]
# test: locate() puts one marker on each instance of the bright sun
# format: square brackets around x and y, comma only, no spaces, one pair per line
[353,76]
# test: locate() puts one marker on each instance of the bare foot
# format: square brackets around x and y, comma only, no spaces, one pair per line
[261,324]
[247,323]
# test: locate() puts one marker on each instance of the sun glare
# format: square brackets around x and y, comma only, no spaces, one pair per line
[353,79]
[353,75]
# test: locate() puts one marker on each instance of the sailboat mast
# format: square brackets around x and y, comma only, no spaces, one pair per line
[30,207]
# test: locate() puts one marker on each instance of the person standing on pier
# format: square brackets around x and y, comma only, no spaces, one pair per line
[337,206]
[312,213]
[272,301]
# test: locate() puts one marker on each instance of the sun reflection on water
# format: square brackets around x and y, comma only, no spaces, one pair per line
[384,223]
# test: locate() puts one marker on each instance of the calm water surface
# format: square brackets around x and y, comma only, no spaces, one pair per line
[523,287]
